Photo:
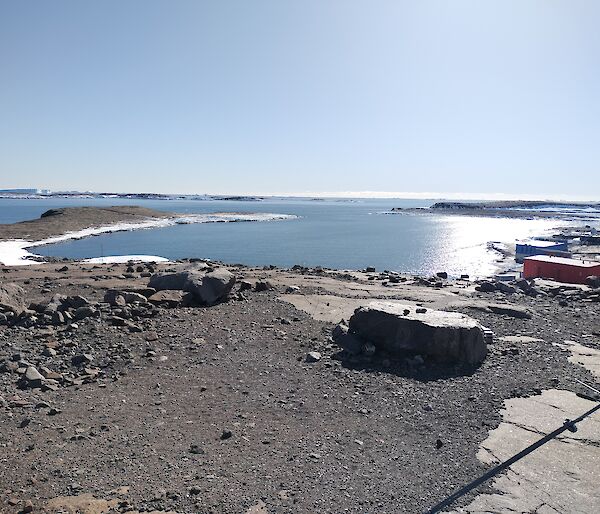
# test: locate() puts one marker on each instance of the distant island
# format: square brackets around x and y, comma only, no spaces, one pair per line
[44,193]
[510,209]
[518,204]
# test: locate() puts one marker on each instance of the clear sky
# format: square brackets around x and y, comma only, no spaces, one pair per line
[301,96]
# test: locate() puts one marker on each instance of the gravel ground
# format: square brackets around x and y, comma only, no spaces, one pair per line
[216,409]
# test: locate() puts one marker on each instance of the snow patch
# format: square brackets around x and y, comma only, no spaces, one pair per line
[123,259]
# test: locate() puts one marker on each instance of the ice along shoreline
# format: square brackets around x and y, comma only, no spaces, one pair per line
[15,252]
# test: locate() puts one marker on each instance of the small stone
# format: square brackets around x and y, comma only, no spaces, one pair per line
[245,285]
[151,336]
[439,444]
[195,490]
[82,358]
[196,449]
[227,434]
[263,286]
[33,377]
[313,357]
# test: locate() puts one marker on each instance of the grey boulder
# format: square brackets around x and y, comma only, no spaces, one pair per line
[12,298]
[112,297]
[173,281]
[449,338]
[212,287]
[206,288]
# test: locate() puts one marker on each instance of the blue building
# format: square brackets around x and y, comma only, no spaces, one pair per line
[537,247]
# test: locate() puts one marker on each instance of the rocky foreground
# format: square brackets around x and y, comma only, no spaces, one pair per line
[199,387]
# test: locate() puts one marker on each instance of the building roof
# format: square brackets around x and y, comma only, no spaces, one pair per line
[541,244]
[563,260]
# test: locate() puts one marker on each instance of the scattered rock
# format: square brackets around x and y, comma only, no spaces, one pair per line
[245,285]
[33,378]
[313,357]
[81,359]
[486,287]
[505,288]
[263,286]
[196,449]
[115,297]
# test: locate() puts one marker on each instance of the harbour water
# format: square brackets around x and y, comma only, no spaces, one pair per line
[343,234]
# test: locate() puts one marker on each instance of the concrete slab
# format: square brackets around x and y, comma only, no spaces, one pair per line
[561,476]
[584,356]
[325,307]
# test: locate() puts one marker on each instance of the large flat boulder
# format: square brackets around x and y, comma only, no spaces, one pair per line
[12,298]
[447,337]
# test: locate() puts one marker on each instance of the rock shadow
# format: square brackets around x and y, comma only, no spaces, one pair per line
[406,364]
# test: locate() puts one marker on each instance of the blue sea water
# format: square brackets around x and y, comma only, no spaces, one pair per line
[339,234]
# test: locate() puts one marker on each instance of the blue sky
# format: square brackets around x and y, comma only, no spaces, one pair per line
[464,97]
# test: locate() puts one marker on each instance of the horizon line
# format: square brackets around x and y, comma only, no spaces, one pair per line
[391,195]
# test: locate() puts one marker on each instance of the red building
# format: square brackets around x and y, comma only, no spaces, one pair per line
[561,269]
